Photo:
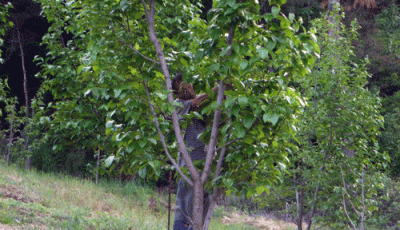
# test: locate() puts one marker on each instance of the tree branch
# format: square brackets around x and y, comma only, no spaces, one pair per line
[220,161]
[316,190]
[363,199]
[178,133]
[149,103]
[217,116]
[215,194]
[344,202]
[214,134]
[345,189]
[162,138]
[132,48]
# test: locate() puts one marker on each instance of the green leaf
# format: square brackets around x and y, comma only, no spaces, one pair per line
[79,70]
[243,64]
[275,11]
[142,172]
[215,32]
[271,44]
[291,17]
[142,143]
[225,50]
[229,102]
[212,106]
[155,164]
[130,148]
[152,140]
[124,4]
[248,139]
[248,121]
[109,161]
[117,92]
[243,101]
[231,3]
[162,94]
[197,115]
[109,124]
[272,117]
[235,110]
[87,92]
[227,182]
[263,52]
[183,61]
[214,67]
[199,55]
[260,189]
[239,130]
[282,166]
[91,42]
[96,69]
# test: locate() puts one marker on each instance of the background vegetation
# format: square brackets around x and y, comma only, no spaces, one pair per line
[332,158]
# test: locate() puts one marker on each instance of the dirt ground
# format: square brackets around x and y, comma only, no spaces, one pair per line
[260,222]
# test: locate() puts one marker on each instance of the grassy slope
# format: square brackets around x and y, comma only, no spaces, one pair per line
[34,200]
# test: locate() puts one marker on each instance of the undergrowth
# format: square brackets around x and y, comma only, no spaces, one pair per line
[36,200]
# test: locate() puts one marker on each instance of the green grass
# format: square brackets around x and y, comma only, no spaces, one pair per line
[35,200]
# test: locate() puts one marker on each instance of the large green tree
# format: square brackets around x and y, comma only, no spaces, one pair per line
[128,51]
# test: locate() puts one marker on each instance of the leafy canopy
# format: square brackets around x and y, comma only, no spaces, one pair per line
[110,57]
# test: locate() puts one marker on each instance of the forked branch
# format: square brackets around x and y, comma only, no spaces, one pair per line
[163,64]
[162,138]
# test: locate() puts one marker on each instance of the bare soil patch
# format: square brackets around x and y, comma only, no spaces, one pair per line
[260,222]
[15,193]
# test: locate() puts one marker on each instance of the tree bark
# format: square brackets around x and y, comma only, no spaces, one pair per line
[98,165]
[313,208]
[169,197]
[363,200]
[11,137]
[213,141]
[215,194]
[214,135]
[300,205]
[28,159]
[198,203]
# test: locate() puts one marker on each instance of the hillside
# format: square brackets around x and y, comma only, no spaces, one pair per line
[34,200]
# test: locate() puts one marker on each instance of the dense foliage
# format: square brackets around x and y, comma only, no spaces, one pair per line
[338,134]
[306,130]
[109,71]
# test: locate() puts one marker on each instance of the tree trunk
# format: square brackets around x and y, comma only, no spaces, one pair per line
[300,205]
[216,193]
[210,210]
[28,159]
[198,179]
[362,200]
[169,198]
[98,165]
[11,135]
[313,208]
[197,213]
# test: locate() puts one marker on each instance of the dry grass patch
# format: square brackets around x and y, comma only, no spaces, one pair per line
[259,222]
